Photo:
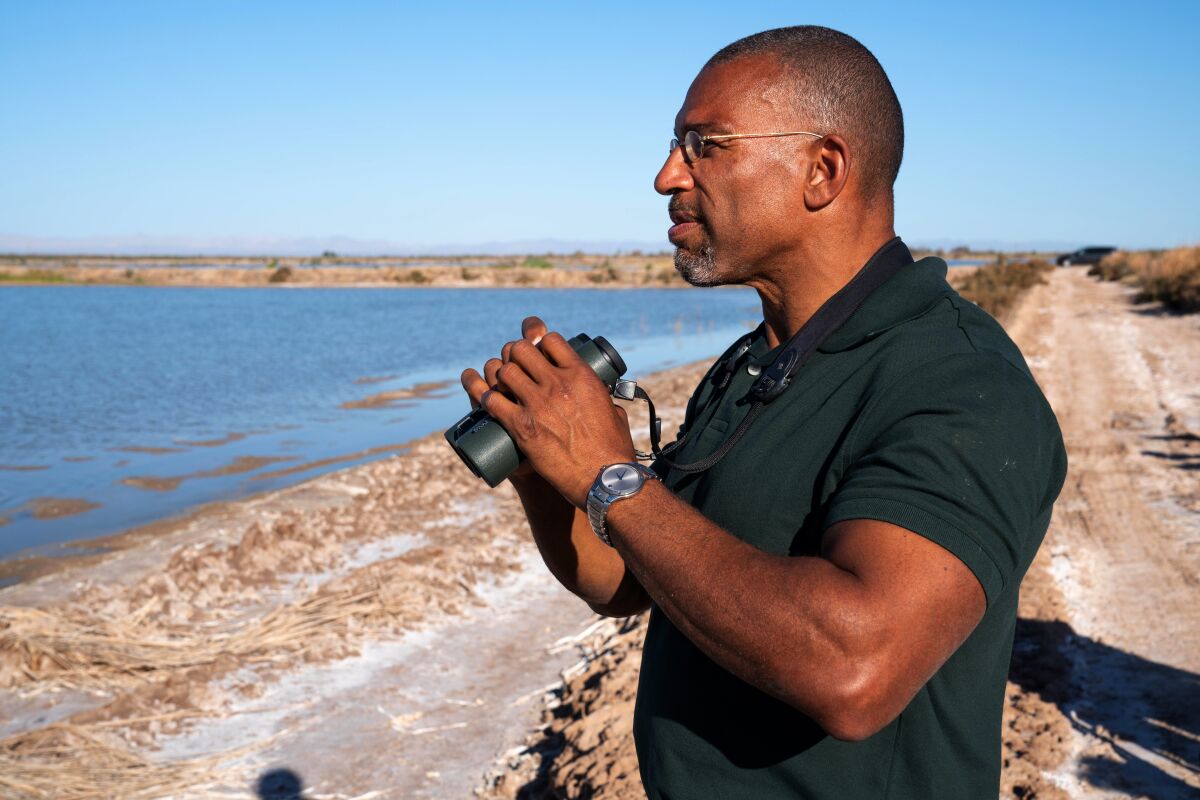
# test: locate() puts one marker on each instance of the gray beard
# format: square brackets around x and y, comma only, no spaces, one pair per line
[698,269]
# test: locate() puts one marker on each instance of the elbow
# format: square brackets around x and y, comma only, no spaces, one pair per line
[851,726]
[628,600]
[620,609]
[855,706]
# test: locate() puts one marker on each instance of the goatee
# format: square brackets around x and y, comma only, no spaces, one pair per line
[699,268]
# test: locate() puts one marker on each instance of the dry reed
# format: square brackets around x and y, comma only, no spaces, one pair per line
[70,648]
[1171,277]
[86,762]
[996,287]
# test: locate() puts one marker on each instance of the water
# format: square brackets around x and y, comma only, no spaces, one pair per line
[194,389]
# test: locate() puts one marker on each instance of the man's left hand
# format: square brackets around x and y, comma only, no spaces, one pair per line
[561,414]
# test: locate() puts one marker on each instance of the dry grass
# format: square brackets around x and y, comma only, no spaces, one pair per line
[996,287]
[61,648]
[91,762]
[1171,277]
[69,648]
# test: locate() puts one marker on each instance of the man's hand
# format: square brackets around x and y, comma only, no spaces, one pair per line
[532,330]
[558,412]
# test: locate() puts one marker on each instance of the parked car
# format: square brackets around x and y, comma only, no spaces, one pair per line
[1084,255]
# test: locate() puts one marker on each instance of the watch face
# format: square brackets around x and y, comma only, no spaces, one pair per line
[621,478]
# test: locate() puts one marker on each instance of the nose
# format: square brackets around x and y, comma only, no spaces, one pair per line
[674,175]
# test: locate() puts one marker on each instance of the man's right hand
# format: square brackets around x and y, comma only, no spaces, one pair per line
[532,330]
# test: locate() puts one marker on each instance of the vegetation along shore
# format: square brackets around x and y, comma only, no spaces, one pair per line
[578,270]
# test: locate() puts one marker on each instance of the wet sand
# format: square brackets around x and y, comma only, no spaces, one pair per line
[52,508]
[395,398]
[238,466]
[227,439]
[56,507]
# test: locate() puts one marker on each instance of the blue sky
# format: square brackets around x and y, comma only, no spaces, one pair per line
[461,123]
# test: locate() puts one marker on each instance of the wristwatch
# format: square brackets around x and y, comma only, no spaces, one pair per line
[615,482]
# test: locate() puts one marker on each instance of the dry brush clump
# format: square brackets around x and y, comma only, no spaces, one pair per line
[92,762]
[1170,277]
[996,287]
[74,649]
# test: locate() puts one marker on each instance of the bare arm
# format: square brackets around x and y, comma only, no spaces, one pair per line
[582,563]
[847,638]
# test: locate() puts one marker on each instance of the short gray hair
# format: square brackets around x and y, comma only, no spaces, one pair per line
[840,84]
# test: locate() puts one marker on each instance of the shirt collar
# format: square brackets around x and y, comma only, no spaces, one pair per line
[909,294]
[906,296]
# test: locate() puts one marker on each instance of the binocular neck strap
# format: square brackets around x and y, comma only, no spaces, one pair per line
[882,266]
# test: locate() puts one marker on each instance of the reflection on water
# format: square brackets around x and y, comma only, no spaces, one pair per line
[146,401]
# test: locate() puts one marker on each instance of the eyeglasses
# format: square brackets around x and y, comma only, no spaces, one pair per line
[693,143]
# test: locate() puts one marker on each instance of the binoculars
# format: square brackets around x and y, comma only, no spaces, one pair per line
[487,449]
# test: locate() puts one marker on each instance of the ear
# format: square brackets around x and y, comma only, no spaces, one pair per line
[827,173]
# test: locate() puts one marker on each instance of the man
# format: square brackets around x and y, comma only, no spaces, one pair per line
[833,601]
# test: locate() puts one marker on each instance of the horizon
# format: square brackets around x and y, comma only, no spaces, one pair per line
[203,130]
[343,247]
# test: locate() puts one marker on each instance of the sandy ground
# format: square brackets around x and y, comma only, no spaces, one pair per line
[388,630]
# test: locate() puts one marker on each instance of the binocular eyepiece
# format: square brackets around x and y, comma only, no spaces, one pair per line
[487,449]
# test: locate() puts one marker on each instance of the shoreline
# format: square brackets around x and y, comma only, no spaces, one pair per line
[33,561]
[630,271]
[285,619]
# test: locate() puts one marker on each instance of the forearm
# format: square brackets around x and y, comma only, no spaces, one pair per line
[581,562]
[792,627]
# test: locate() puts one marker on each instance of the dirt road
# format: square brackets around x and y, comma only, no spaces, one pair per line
[1110,613]
[1104,696]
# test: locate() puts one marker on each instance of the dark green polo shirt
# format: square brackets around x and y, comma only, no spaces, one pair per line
[919,411]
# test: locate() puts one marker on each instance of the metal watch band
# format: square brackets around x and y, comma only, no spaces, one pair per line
[599,499]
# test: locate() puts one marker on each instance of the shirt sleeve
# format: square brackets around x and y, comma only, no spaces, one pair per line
[965,452]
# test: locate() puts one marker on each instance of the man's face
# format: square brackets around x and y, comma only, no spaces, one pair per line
[742,204]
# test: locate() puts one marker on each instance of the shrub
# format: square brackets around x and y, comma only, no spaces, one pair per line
[537,262]
[280,275]
[34,276]
[1172,278]
[468,274]
[604,272]
[996,287]
[1117,266]
[413,276]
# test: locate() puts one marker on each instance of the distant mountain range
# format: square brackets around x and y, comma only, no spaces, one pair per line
[346,246]
[300,246]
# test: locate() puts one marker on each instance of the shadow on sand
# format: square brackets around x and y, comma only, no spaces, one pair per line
[279,784]
[1147,712]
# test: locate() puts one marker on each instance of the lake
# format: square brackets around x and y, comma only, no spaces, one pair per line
[121,405]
